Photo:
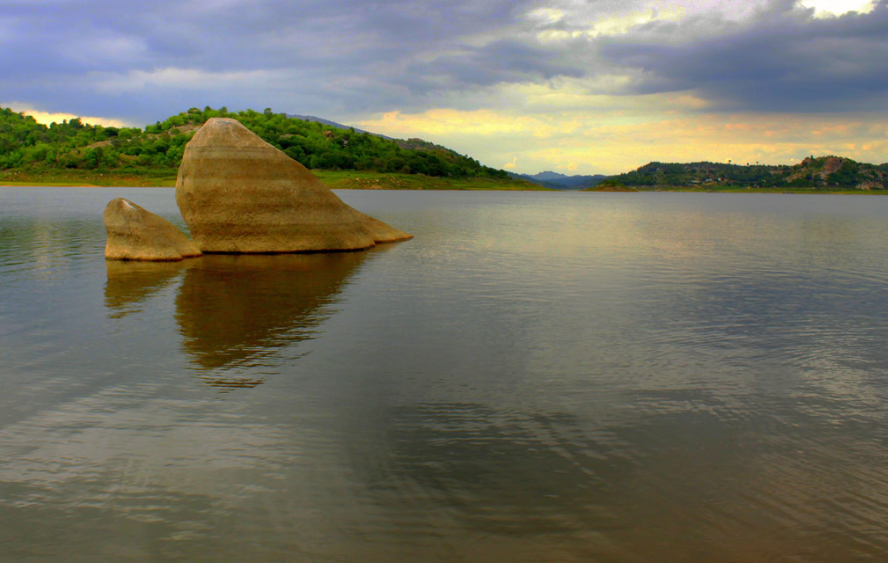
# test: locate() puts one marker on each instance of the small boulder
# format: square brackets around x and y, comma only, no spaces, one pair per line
[239,194]
[137,234]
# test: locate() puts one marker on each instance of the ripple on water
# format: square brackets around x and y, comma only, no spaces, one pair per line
[534,377]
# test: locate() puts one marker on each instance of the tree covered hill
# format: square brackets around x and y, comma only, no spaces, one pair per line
[73,145]
[828,172]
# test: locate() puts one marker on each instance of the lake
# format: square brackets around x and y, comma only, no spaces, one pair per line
[535,377]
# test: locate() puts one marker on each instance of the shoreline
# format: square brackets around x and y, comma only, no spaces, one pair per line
[341,180]
[334,179]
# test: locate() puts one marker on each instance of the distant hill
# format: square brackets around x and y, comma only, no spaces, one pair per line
[560,181]
[549,175]
[408,144]
[827,172]
[157,149]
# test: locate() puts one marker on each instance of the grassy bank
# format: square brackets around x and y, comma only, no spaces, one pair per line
[88,178]
[333,179]
[337,179]
[375,181]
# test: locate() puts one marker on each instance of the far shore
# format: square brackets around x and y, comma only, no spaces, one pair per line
[334,179]
[340,180]
[82,179]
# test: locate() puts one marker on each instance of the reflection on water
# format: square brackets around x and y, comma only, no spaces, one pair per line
[680,485]
[504,472]
[236,312]
[618,378]
[131,283]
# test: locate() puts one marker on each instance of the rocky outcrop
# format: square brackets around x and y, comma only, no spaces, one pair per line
[839,172]
[817,168]
[238,194]
[831,165]
[137,234]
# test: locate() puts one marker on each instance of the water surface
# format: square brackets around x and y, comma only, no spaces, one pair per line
[534,377]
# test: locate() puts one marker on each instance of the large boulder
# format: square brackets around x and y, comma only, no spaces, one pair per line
[137,234]
[238,194]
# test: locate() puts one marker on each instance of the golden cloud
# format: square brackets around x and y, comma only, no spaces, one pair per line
[603,139]
[46,117]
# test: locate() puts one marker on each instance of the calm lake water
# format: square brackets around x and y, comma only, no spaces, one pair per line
[536,377]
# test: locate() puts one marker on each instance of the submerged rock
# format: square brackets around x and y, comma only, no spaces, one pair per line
[238,194]
[137,234]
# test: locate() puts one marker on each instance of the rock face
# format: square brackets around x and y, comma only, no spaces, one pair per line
[238,194]
[137,234]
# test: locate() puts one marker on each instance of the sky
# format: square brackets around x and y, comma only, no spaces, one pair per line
[574,86]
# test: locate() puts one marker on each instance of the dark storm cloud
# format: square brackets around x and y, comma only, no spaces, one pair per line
[348,52]
[238,35]
[150,60]
[505,61]
[783,61]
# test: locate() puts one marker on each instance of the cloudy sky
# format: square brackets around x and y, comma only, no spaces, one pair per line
[577,86]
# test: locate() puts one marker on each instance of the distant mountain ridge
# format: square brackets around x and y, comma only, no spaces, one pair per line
[548,175]
[333,124]
[558,181]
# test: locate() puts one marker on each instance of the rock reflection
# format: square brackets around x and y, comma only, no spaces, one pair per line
[236,311]
[130,283]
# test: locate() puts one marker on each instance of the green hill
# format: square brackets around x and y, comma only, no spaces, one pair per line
[33,150]
[822,173]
